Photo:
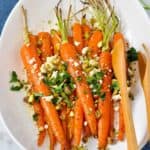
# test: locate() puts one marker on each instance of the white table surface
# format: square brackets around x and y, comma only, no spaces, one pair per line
[6,143]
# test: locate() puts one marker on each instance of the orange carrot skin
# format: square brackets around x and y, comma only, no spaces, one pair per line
[78,123]
[40,122]
[70,127]
[46,44]
[121,124]
[94,41]
[51,136]
[68,52]
[105,122]
[77,36]
[28,53]
[105,106]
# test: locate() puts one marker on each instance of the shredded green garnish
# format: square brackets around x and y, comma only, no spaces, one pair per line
[115,85]
[16,84]
[132,55]
[35,117]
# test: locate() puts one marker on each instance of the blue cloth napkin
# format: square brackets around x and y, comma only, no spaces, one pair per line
[5,8]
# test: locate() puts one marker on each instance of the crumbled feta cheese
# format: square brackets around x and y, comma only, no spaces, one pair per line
[91,73]
[110,70]
[100,81]
[76,43]
[94,90]
[32,61]
[46,126]
[91,86]
[99,45]
[85,50]
[42,69]
[35,66]
[54,74]
[71,114]
[116,97]
[48,98]
[76,64]
[93,62]
[85,123]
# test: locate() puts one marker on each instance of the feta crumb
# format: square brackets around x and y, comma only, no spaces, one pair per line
[32,61]
[93,62]
[99,45]
[85,50]
[85,123]
[116,97]
[100,81]
[71,114]
[42,69]
[109,70]
[46,126]
[91,73]
[54,74]
[48,98]
[76,43]
[35,66]
[76,64]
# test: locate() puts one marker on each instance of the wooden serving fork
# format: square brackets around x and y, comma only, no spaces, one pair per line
[119,66]
[144,68]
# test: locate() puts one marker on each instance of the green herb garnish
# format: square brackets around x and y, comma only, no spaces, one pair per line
[132,55]
[102,95]
[35,117]
[16,84]
[115,85]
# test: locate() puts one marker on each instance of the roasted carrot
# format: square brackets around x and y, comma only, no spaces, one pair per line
[29,53]
[70,126]
[78,123]
[77,36]
[121,124]
[105,105]
[69,55]
[46,47]
[95,42]
[40,122]
[51,136]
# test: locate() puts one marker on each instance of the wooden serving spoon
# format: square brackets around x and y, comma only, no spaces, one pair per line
[119,66]
[144,68]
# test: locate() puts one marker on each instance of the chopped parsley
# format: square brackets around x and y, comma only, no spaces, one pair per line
[94,83]
[16,84]
[37,96]
[132,55]
[35,117]
[61,85]
[115,85]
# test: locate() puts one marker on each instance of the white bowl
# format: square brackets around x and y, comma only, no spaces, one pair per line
[136,26]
